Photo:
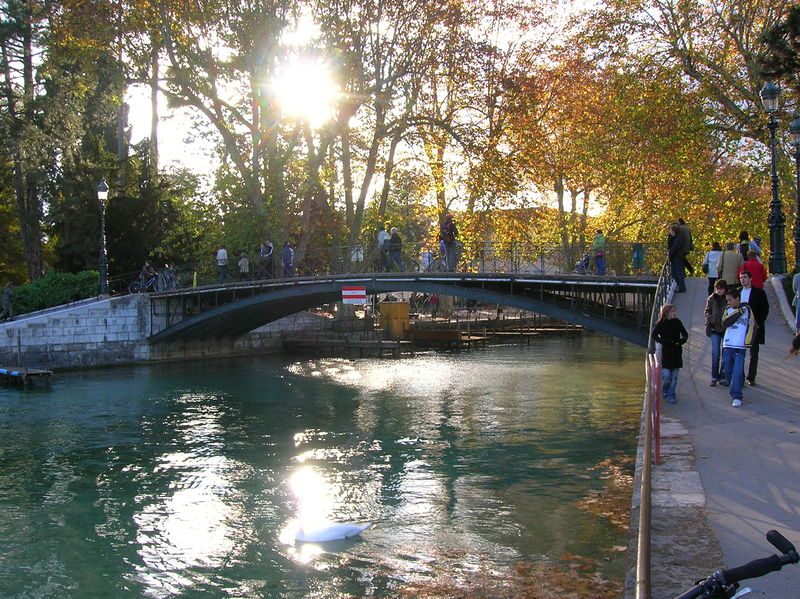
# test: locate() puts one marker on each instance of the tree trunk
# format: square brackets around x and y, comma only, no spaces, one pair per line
[29,207]
[154,75]
[387,177]
[347,177]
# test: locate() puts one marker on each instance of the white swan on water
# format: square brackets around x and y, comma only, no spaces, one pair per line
[331,531]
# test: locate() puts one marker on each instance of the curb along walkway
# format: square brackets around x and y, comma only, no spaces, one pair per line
[733,471]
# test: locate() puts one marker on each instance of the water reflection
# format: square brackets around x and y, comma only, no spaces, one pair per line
[179,481]
[189,523]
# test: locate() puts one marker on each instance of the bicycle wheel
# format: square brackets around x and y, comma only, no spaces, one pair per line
[135,287]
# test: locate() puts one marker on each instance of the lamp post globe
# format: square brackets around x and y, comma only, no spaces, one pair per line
[794,131]
[102,196]
[769,97]
[776,220]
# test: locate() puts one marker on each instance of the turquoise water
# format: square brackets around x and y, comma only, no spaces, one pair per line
[185,480]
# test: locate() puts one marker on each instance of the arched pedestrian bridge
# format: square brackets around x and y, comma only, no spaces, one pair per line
[618,306]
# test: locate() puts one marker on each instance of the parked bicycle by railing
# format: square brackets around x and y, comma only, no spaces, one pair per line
[724,583]
[139,286]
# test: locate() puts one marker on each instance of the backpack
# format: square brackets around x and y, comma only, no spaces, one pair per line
[448,233]
[744,247]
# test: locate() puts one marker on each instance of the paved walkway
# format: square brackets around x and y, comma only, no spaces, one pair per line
[747,459]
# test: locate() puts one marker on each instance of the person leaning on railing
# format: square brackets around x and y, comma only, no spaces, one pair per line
[448,235]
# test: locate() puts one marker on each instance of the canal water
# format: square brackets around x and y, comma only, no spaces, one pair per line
[498,473]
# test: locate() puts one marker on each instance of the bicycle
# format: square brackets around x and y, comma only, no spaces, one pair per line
[149,285]
[723,583]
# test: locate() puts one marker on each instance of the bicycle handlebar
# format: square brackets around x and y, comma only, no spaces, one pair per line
[780,542]
[754,569]
[716,584]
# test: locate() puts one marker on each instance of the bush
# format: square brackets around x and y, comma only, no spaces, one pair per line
[55,289]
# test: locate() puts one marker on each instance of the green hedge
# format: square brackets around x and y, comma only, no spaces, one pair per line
[55,289]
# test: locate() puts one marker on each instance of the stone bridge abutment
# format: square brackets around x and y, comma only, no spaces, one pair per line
[114,331]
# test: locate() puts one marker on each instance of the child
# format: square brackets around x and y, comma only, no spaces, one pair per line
[671,334]
[739,326]
[244,268]
[715,308]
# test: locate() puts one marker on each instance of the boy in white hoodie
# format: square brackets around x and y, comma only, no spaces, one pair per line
[739,326]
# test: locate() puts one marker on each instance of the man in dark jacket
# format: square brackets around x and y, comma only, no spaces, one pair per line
[688,246]
[757,300]
[396,249]
[675,245]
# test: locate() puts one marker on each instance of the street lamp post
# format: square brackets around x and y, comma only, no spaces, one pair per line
[776,220]
[102,196]
[794,130]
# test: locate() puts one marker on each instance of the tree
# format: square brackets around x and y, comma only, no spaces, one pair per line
[715,44]
[781,57]
[381,49]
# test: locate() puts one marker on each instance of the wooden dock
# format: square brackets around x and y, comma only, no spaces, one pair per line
[23,375]
[449,339]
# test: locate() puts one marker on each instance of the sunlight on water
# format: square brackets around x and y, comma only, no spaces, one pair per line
[188,525]
[482,473]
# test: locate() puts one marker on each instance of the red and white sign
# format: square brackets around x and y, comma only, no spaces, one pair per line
[354,295]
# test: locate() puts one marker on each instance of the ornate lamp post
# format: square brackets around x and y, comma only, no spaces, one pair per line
[776,220]
[102,196]
[794,130]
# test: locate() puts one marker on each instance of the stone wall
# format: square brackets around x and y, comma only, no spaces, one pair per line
[89,333]
[110,331]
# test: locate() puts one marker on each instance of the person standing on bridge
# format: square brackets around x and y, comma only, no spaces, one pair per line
[599,251]
[688,246]
[244,267]
[8,306]
[675,245]
[447,237]
[396,249]
[287,259]
[383,248]
[671,334]
[222,264]
[755,268]
[265,259]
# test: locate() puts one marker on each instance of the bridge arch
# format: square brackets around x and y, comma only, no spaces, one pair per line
[619,307]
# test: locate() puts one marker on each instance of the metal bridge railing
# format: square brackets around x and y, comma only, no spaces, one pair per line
[622,258]
[651,450]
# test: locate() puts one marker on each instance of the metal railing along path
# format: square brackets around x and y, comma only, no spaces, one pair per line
[651,448]
[622,259]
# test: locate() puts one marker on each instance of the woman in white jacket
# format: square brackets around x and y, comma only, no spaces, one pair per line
[710,265]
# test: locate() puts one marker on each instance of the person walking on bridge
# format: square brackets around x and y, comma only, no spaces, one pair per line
[671,334]
[728,265]
[757,300]
[739,325]
[715,307]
